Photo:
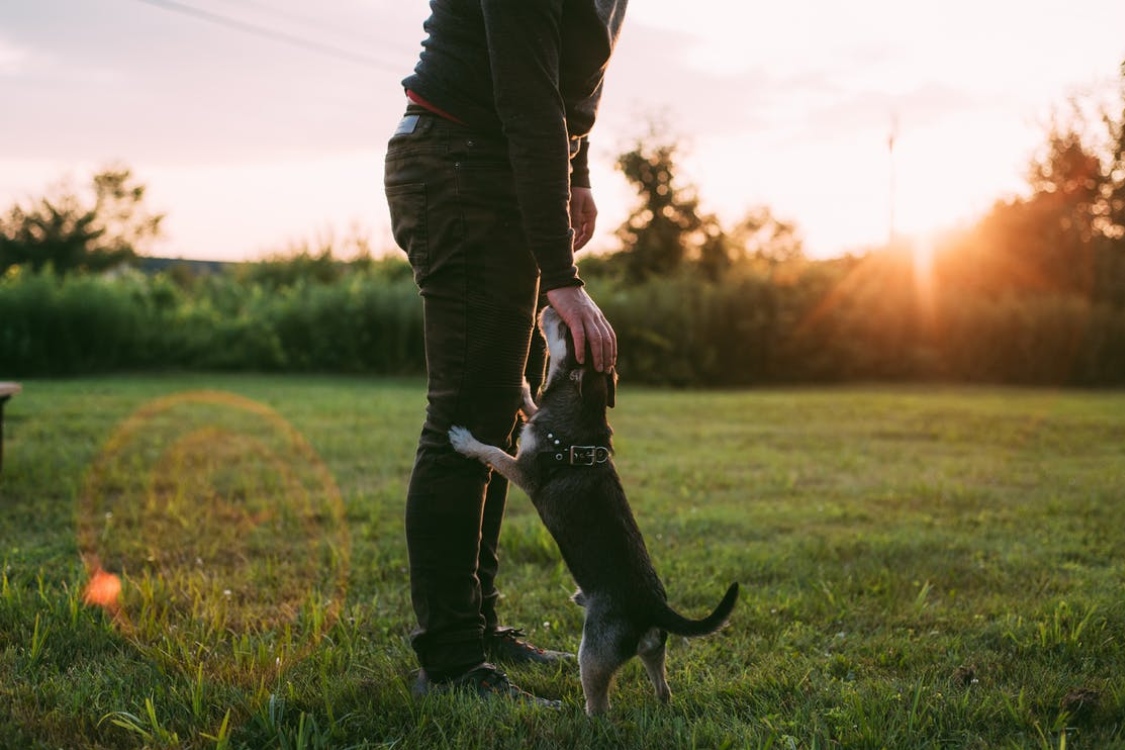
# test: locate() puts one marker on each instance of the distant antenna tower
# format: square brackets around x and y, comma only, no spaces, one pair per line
[892,136]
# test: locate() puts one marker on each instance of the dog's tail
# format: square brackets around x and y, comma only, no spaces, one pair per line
[673,622]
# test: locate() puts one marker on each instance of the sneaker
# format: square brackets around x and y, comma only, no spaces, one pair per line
[486,681]
[503,645]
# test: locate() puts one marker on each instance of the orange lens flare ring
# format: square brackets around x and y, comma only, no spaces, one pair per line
[208,518]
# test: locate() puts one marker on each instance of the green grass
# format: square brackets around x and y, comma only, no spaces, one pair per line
[921,568]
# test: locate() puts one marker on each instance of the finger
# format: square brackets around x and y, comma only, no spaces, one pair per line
[582,231]
[609,347]
[579,337]
[597,347]
[580,238]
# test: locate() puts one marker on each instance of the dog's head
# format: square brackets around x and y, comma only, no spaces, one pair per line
[597,389]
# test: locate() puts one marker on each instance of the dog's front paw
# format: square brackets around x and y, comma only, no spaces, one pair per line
[463,441]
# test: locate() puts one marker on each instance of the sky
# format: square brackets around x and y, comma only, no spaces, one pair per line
[257,125]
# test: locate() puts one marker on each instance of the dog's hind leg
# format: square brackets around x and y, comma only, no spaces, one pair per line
[597,663]
[600,655]
[651,649]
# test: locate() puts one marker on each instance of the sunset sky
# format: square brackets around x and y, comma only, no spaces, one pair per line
[259,123]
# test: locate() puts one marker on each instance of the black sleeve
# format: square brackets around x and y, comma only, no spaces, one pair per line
[524,51]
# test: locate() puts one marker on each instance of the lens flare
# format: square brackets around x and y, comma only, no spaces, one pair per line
[103,590]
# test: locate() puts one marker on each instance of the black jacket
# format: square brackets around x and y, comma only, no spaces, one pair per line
[531,71]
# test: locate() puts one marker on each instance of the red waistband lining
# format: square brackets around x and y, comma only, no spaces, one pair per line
[436,110]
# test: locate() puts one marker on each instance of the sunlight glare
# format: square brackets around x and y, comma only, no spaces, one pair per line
[922,257]
[947,171]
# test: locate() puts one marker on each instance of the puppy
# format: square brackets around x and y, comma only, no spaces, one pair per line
[564,464]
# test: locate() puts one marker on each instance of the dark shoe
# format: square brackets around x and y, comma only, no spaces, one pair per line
[503,645]
[485,681]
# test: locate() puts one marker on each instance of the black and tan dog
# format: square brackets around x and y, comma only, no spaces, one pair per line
[564,465]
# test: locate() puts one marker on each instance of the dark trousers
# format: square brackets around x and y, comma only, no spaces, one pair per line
[454,211]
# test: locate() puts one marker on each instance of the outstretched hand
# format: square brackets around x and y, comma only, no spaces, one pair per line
[587,326]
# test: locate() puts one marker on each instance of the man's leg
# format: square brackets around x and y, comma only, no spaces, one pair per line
[496,499]
[479,286]
[503,644]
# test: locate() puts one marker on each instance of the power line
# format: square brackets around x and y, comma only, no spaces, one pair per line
[277,36]
[306,22]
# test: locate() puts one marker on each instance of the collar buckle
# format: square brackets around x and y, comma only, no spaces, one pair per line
[588,455]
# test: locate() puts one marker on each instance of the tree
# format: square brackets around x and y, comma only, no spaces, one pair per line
[1112,188]
[1110,264]
[1078,199]
[1063,211]
[667,232]
[1066,236]
[70,234]
[657,237]
[766,241]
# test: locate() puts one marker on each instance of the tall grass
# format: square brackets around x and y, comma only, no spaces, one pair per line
[82,324]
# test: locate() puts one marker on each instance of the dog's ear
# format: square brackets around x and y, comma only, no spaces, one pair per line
[597,390]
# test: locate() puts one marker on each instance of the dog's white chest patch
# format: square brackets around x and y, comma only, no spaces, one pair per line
[529,443]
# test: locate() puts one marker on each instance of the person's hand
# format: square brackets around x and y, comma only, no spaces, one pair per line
[583,215]
[587,325]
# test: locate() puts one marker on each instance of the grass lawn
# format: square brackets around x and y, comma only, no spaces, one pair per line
[921,568]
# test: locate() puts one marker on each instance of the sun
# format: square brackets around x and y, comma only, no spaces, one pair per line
[947,173]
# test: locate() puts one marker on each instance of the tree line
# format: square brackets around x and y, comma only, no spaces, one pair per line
[1034,293]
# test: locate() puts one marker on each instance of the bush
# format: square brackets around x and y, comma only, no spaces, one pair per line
[96,324]
[52,325]
[835,321]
